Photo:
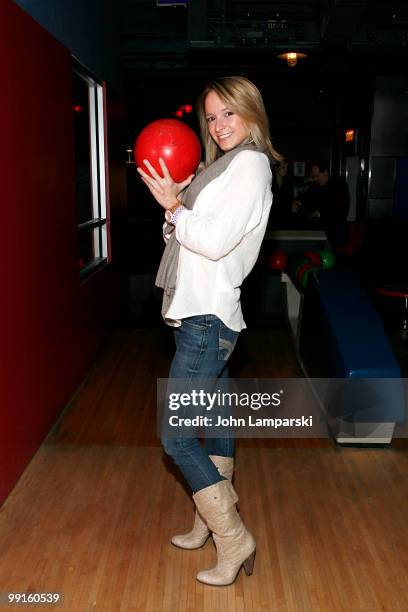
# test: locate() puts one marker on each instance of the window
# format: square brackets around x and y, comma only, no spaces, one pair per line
[91,185]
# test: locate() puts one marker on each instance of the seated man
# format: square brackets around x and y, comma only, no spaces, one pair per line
[329,196]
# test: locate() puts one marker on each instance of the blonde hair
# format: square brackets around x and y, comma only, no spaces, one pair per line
[244,99]
[279,177]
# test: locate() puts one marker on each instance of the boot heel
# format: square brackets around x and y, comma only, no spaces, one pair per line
[249,564]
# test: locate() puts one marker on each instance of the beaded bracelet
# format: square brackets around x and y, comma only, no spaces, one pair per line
[173,217]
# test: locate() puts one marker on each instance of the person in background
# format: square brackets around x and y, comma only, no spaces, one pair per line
[217,221]
[282,189]
[329,197]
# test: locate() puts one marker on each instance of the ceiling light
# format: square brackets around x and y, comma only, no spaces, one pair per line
[292,57]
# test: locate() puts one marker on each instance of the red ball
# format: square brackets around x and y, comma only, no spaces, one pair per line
[314,257]
[278,260]
[173,141]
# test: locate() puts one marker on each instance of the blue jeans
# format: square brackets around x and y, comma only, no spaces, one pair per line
[203,346]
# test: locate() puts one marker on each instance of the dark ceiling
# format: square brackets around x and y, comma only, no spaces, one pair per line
[222,35]
[169,52]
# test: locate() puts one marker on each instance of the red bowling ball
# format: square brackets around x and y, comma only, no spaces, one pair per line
[278,260]
[174,142]
[314,257]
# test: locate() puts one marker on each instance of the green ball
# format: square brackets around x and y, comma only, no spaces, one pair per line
[328,259]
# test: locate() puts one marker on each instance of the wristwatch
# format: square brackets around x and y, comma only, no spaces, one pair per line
[171,215]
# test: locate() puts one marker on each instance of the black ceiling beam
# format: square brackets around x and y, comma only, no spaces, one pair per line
[340,19]
[197,21]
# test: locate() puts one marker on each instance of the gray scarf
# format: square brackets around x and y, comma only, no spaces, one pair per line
[167,272]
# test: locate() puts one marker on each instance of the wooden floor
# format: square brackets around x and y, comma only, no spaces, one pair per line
[93,514]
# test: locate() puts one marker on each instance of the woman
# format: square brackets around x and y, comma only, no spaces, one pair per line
[217,227]
[283,195]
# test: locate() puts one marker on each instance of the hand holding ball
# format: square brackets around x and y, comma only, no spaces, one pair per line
[173,141]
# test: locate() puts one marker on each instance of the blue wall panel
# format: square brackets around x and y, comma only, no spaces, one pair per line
[400,210]
[88,28]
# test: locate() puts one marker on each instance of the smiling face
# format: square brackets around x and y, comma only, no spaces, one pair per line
[227,129]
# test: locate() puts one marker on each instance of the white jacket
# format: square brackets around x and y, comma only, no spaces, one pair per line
[220,241]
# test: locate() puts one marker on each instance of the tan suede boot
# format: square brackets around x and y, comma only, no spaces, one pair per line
[198,536]
[235,545]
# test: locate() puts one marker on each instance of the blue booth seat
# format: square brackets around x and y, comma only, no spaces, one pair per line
[342,339]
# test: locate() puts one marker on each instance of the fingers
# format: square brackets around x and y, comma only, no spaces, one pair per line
[142,173]
[148,180]
[152,170]
[163,188]
[152,180]
[152,187]
[154,175]
[166,173]
[186,182]
[166,178]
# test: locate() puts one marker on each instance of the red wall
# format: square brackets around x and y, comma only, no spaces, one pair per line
[50,326]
